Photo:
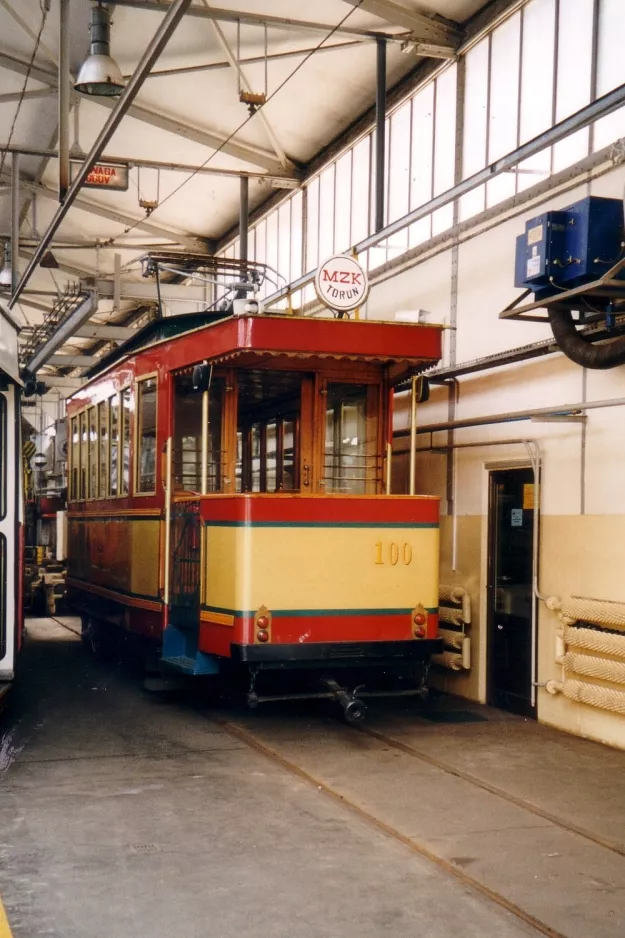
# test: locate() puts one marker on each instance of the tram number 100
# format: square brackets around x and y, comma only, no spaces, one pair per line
[390,552]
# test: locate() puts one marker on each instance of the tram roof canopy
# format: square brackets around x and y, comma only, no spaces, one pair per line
[221,339]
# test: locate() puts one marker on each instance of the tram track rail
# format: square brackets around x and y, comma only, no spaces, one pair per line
[564,824]
[415,845]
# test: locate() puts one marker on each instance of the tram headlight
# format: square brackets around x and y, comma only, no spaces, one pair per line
[262,635]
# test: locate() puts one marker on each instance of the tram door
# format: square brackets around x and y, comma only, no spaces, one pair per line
[510,591]
[186,555]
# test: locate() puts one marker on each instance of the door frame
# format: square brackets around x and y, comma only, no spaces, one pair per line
[491,467]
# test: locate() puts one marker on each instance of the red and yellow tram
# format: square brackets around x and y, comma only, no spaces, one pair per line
[228,486]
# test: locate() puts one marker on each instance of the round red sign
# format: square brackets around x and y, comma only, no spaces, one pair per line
[341,283]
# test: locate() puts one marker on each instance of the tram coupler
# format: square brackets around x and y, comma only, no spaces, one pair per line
[354,709]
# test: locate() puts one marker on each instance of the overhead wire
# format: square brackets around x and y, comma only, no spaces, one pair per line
[231,136]
[44,5]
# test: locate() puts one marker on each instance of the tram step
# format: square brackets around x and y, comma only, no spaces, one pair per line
[180,652]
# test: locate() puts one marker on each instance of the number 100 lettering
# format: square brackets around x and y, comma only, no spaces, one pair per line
[392,553]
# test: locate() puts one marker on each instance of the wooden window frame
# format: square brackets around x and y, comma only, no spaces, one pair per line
[135,450]
[376,399]
[103,420]
[112,401]
[125,492]
[93,450]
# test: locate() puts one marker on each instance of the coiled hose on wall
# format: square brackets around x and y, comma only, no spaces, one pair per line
[579,348]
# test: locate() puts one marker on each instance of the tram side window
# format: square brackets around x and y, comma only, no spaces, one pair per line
[125,467]
[74,458]
[269,405]
[114,442]
[352,462]
[103,444]
[188,435]
[3,460]
[82,475]
[146,436]
[92,453]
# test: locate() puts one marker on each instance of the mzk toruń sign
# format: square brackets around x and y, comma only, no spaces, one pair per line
[341,283]
[104,175]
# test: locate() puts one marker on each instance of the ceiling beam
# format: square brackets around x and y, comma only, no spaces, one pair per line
[189,241]
[33,304]
[421,25]
[79,273]
[279,181]
[61,381]
[253,19]
[20,67]
[72,361]
[157,43]
[207,138]
[36,93]
[147,290]
[258,59]
[92,330]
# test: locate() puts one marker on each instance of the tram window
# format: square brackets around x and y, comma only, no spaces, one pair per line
[74,451]
[92,453]
[114,442]
[269,404]
[215,409]
[82,476]
[103,443]
[125,466]
[351,459]
[146,435]
[3,460]
[188,426]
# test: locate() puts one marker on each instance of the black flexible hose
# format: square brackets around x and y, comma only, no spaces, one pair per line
[579,348]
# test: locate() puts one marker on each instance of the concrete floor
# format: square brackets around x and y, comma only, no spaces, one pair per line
[127,814]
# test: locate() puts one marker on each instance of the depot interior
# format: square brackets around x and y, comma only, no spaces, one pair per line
[471,157]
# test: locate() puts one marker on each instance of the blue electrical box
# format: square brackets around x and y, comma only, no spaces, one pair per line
[567,248]
[540,249]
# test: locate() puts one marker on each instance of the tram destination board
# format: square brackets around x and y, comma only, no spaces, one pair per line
[103,175]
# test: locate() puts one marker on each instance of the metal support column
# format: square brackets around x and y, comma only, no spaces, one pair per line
[380,133]
[412,482]
[244,213]
[64,98]
[15,221]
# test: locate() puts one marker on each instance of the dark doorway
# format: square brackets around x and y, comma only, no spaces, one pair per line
[510,597]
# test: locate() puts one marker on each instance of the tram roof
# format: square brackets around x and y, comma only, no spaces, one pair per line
[222,338]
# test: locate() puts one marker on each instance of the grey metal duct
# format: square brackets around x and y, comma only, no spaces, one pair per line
[579,348]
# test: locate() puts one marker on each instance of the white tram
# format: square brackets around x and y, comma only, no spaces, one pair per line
[11,503]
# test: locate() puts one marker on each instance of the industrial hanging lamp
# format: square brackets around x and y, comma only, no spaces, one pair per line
[99,73]
[6,276]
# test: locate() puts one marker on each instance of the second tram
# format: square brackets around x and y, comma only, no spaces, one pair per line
[11,519]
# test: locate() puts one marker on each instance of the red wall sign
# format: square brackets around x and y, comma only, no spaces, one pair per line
[342,283]
[104,175]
